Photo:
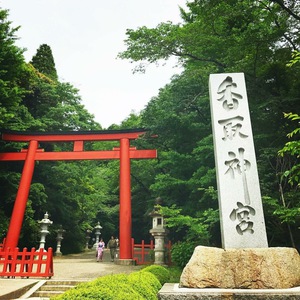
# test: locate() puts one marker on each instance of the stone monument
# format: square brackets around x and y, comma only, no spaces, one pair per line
[240,205]
[244,261]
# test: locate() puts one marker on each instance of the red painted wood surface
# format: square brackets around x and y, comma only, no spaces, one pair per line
[142,252]
[125,201]
[78,155]
[109,135]
[14,263]
[18,213]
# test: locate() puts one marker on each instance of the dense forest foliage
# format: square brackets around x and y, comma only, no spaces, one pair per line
[258,38]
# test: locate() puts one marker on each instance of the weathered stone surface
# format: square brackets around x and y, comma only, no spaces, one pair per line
[251,268]
[171,291]
[241,211]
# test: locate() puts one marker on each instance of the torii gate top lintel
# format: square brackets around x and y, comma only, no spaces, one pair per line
[61,136]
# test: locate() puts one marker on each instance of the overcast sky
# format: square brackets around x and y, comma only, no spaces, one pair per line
[85,38]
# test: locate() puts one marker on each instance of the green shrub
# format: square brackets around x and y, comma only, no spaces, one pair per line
[124,291]
[136,286]
[161,273]
[110,287]
[181,253]
[175,273]
[111,279]
[143,286]
[86,293]
[151,279]
[152,255]
[120,285]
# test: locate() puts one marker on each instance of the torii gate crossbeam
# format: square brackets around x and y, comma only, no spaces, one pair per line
[124,153]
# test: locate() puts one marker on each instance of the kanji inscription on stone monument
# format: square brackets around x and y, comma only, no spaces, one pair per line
[240,204]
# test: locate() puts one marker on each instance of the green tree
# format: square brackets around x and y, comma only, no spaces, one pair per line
[285,211]
[11,68]
[33,100]
[43,61]
[254,37]
[292,148]
[184,172]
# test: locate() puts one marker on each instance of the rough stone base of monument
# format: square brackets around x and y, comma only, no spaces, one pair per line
[171,291]
[250,268]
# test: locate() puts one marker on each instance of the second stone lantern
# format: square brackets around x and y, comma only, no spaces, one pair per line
[44,230]
[159,233]
[97,228]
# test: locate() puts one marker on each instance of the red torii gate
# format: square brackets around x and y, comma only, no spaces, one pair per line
[30,155]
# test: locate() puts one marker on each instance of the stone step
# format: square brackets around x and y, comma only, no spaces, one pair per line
[63,282]
[46,294]
[48,287]
[53,288]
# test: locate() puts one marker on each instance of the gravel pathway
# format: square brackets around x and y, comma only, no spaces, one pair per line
[84,266]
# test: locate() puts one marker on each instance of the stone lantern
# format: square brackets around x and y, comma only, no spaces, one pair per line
[97,228]
[159,233]
[87,238]
[44,230]
[59,238]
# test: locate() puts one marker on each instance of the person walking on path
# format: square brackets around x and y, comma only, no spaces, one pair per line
[100,249]
[112,245]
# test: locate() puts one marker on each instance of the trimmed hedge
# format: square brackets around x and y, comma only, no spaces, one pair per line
[86,293]
[146,284]
[136,286]
[161,273]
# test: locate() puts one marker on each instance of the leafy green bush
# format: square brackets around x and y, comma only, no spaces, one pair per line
[142,284]
[161,273]
[181,253]
[116,287]
[136,286]
[152,279]
[120,284]
[111,279]
[175,273]
[86,293]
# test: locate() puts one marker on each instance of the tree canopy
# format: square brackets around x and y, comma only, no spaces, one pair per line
[12,66]
[44,63]
[258,38]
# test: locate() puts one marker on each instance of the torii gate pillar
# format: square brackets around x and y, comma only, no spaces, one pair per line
[18,213]
[124,153]
[125,201]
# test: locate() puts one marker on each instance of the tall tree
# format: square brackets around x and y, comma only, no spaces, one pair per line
[43,61]
[11,68]
[37,101]
[254,37]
